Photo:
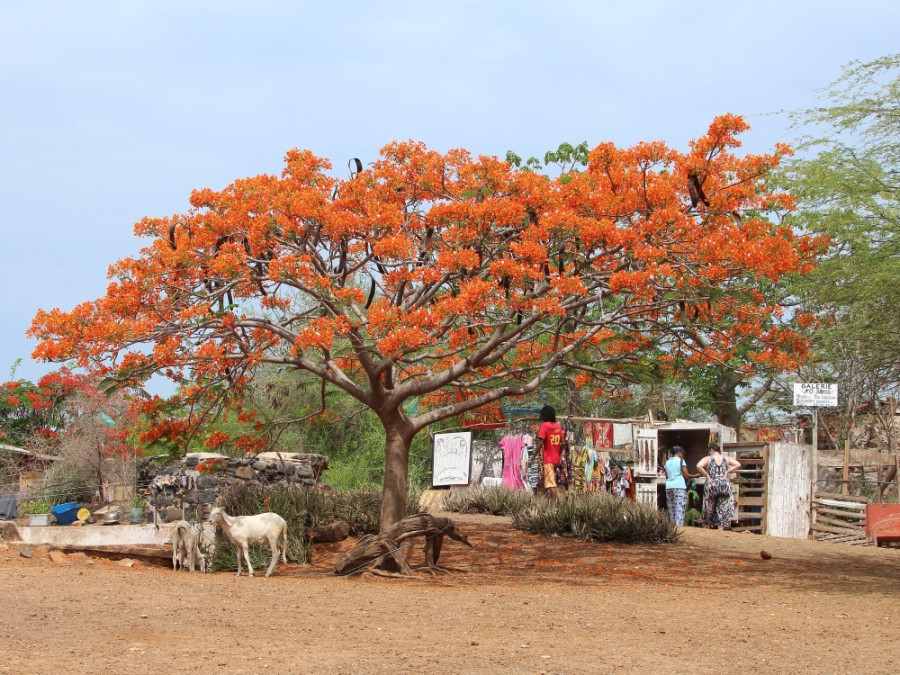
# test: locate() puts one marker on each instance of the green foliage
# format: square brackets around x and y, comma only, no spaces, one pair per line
[597,517]
[591,517]
[138,501]
[568,157]
[847,186]
[29,410]
[351,436]
[34,506]
[495,501]
[850,191]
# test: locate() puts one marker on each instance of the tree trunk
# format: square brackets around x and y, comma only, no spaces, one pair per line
[396,471]
[385,551]
[725,397]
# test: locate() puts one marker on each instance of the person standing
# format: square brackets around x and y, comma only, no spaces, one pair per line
[550,438]
[718,502]
[676,485]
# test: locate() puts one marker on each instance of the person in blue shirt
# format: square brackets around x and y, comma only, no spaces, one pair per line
[676,485]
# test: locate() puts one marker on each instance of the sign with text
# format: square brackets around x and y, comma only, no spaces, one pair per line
[815,394]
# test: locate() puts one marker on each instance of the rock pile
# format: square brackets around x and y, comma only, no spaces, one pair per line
[189,487]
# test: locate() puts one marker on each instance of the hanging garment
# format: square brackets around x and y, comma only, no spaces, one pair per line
[589,468]
[622,435]
[564,469]
[534,462]
[600,433]
[580,458]
[512,461]
[603,435]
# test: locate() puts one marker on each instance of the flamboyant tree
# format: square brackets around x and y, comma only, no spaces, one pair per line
[30,411]
[454,279]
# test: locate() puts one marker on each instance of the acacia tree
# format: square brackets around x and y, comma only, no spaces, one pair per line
[455,279]
[848,187]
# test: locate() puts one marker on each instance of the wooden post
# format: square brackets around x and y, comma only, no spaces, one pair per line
[845,486]
[814,479]
[893,441]
[897,473]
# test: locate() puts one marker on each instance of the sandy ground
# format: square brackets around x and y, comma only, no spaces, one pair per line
[520,604]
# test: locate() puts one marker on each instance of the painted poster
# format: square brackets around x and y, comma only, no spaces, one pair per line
[487,462]
[452,458]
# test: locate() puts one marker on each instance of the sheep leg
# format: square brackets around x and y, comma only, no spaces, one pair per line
[175,542]
[198,558]
[273,544]
[240,552]
[247,558]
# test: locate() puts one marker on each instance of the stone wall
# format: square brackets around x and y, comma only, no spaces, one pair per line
[189,488]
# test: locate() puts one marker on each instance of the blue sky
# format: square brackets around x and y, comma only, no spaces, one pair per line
[111,111]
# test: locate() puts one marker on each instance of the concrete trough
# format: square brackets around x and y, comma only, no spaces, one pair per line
[148,540]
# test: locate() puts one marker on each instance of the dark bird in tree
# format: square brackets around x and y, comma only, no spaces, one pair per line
[695,188]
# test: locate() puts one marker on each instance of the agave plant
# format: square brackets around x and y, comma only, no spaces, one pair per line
[493,500]
[597,517]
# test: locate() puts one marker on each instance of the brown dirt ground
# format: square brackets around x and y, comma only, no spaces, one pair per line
[520,604]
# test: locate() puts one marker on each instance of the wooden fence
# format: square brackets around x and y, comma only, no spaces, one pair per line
[840,519]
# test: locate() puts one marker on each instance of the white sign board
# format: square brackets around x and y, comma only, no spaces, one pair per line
[452,458]
[815,394]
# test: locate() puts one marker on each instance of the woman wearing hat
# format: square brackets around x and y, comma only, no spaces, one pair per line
[676,485]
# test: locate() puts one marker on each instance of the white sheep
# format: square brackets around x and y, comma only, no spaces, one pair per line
[258,529]
[185,548]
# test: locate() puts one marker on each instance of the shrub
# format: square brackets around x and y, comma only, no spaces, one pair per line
[496,501]
[597,517]
[65,483]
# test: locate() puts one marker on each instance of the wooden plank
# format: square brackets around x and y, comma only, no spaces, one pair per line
[788,490]
[843,514]
[821,527]
[852,540]
[765,509]
[849,541]
[843,498]
[845,486]
[752,501]
[838,528]
[840,504]
[835,538]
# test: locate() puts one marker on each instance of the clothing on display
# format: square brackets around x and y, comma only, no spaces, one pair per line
[519,472]
[512,461]
[585,463]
